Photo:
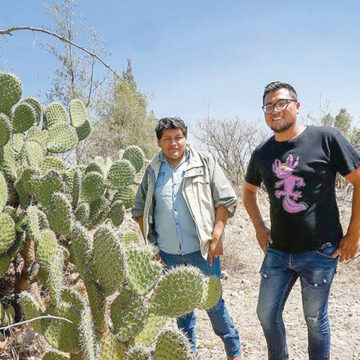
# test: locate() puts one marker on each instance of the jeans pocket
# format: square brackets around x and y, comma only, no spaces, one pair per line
[318,278]
[327,252]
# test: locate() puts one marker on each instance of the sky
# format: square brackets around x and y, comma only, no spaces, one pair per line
[194,57]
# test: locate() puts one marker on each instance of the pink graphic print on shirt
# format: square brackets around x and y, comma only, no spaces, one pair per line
[289,182]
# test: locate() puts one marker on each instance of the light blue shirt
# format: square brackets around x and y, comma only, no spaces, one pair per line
[175,229]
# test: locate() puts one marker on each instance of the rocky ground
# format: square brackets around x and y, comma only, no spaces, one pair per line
[241,264]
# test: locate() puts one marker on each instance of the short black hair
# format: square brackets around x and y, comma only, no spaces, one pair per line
[170,123]
[277,85]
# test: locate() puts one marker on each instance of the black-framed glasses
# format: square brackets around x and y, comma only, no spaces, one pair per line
[281,104]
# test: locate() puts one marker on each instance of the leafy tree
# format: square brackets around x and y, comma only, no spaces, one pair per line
[327,120]
[343,122]
[124,119]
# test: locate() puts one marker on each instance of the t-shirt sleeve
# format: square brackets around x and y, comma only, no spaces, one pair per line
[344,157]
[253,175]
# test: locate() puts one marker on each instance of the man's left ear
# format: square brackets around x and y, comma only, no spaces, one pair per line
[297,107]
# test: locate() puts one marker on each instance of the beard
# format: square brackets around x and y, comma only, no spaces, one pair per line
[282,128]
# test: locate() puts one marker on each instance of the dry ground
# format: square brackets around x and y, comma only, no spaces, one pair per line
[241,264]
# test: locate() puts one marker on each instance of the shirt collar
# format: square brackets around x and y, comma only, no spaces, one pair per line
[185,158]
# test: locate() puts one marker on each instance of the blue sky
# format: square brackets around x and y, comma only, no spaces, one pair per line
[191,55]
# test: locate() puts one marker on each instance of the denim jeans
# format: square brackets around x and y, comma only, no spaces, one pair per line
[279,272]
[219,316]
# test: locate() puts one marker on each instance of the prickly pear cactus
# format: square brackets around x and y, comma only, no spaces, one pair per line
[54,218]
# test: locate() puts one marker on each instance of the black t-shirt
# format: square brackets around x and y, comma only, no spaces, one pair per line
[299,176]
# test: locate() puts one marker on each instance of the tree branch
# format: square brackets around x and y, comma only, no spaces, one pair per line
[37,318]
[62,38]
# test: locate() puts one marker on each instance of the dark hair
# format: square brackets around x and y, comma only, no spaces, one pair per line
[277,85]
[170,123]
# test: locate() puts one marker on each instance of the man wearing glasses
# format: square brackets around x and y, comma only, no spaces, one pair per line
[298,166]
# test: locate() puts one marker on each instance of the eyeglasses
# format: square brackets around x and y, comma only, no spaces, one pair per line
[282,104]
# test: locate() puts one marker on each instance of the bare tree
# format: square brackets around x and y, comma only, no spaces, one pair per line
[231,142]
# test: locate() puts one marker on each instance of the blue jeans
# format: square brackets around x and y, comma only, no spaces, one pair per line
[279,272]
[219,316]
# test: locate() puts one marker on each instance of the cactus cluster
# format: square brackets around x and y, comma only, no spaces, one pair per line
[52,216]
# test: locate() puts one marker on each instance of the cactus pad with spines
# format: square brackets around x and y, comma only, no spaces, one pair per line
[93,166]
[5,261]
[82,213]
[110,348]
[128,315]
[7,232]
[7,161]
[5,129]
[108,259]
[73,297]
[116,213]
[31,154]
[78,114]
[97,303]
[81,248]
[23,196]
[30,179]
[52,163]
[32,310]
[121,174]
[170,299]
[60,214]
[56,275]
[92,187]
[62,138]
[76,189]
[39,136]
[68,178]
[172,344]
[46,246]
[17,142]
[43,220]
[33,222]
[23,118]
[139,352]
[130,238]
[55,355]
[87,336]
[98,211]
[135,155]
[212,293]
[149,333]
[126,195]
[83,131]
[35,103]
[61,334]
[47,186]
[142,272]
[4,194]
[99,160]
[10,91]
[8,316]
[55,113]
